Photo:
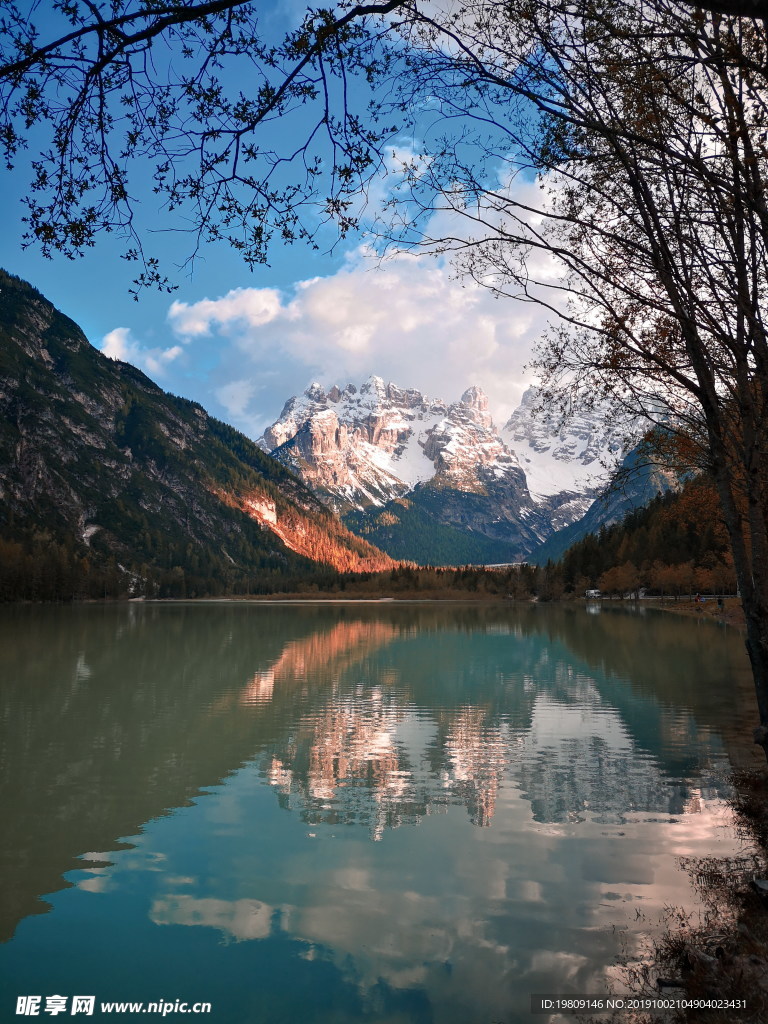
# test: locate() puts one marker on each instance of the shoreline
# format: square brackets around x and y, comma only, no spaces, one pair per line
[725,958]
[731,614]
[707,611]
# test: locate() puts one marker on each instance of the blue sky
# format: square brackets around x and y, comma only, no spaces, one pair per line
[242,342]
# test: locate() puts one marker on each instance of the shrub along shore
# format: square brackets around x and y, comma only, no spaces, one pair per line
[724,956]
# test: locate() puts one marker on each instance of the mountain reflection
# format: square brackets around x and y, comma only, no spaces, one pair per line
[368,755]
[371,716]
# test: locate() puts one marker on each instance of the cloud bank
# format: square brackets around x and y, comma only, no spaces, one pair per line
[409,320]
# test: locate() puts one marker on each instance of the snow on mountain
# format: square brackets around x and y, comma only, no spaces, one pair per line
[364,447]
[465,448]
[575,458]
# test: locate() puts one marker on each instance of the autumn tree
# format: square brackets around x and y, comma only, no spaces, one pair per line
[647,126]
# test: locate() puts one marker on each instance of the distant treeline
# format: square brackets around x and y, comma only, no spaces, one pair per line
[676,545]
[39,567]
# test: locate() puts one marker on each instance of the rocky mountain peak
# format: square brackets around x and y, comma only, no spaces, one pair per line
[475,400]
[370,449]
[363,448]
[559,455]
[374,386]
[372,453]
[315,392]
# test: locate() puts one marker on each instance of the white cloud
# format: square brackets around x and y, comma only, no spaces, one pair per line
[408,320]
[119,344]
[412,319]
[235,396]
[240,308]
[242,919]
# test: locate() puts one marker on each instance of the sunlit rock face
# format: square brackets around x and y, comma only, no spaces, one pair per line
[365,446]
[357,447]
[361,448]
[375,449]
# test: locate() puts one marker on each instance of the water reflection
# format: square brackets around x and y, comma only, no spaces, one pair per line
[234,763]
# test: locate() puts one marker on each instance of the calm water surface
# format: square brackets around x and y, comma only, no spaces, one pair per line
[348,813]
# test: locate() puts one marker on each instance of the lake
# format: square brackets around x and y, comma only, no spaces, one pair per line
[341,813]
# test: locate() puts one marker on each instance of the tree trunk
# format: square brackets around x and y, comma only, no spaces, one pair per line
[752,581]
[757,648]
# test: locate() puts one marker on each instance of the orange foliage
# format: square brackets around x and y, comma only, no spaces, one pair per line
[321,538]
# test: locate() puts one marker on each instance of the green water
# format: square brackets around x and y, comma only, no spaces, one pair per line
[347,813]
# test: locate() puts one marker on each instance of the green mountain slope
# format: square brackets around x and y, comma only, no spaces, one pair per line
[108,483]
[411,529]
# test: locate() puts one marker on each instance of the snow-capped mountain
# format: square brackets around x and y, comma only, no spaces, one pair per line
[576,456]
[394,462]
[359,448]
[567,464]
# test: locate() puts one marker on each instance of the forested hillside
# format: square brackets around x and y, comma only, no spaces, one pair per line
[109,486]
[408,526]
[677,544]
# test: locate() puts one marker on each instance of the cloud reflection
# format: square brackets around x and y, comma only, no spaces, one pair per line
[240,919]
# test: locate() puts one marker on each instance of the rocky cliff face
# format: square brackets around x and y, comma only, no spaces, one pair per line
[574,457]
[374,452]
[96,457]
[356,447]
[568,465]
[363,447]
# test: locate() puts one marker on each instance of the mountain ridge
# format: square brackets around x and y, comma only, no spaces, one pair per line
[431,480]
[105,464]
